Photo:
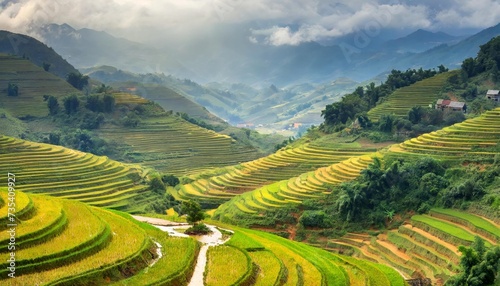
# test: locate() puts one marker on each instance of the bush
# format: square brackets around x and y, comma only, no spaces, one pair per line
[198,229]
[157,186]
[12,89]
[170,180]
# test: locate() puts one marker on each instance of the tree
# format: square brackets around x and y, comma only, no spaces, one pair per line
[108,102]
[415,114]
[156,185]
[46,66]
[386,122]
[77,80]
[53,105]
[193,211]
[478,266]
[170,180]
[71,104]
[12,89]
[93,103]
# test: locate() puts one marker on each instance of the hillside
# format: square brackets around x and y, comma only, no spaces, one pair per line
[155,141]
[58,171]
[65,242]
[37,52]
[33,83]
[266,109]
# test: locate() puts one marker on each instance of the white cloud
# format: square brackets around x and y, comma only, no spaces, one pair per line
[470,14]
[369,18]
[276,22]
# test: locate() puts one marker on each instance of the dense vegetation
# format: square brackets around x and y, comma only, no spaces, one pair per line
[353,105]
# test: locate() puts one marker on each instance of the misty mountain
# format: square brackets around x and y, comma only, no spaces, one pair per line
[451,56]
[37,52]
[88,48]
[420,41]
[227,56]
[271,107]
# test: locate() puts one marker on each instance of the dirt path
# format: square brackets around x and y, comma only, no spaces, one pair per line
[157,221]
[213,239]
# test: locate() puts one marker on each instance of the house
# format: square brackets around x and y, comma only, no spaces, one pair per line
[451,105]
[442,103]
[493,94]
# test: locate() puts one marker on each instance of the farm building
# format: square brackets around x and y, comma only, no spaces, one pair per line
[493,94]
[451,105]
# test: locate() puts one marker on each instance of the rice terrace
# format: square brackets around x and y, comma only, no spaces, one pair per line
[262,143]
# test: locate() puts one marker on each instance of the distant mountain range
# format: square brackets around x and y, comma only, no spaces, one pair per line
[235,59]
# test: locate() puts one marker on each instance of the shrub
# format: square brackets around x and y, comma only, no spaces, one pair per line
[12,89]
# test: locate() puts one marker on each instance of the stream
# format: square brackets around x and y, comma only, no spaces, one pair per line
[213,239]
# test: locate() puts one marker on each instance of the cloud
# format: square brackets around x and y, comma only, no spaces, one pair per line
[470,14]
[368,18]
[274,22]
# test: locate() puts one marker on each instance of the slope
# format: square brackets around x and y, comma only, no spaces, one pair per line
[64,242]
[163,130]
[422,93]
[66,173]
[425,246]
[35,51]
[33,83]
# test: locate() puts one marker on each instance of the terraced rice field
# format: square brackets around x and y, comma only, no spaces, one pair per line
[276,167]
[426,246]
[65,242]
[172,145]
[127,98]
[292,191]
[33,83]
[66,173]
[477,137]
[279,261]
[422,93]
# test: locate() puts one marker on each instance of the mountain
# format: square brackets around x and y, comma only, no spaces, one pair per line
[270,107]
[147,86]
[451,55]
[87,48]
[34,50]
[228,56]
[420,41]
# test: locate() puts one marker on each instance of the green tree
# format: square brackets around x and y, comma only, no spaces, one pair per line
[416,114]
[94,103]
[108,103]
[170,180]
[157,186]
[77,80]
[12,89]
[193,211]
[479,267]
[71,104]
[46,66]
[53,105]
[386,122]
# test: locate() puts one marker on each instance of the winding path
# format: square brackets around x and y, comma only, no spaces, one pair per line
[213,239]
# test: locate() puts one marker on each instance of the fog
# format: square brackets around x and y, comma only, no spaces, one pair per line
[277,22]
[201,36]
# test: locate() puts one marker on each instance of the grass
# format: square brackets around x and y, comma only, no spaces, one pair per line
[445,227]
[474,220]
[128,240]
[270,267]
[66,173]
[422,93]
[226,265]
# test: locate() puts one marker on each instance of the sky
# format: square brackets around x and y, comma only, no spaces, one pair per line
[268,22]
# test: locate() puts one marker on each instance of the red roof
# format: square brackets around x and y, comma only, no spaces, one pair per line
[446,102]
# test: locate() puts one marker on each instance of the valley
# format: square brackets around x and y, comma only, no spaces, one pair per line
[113,174]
